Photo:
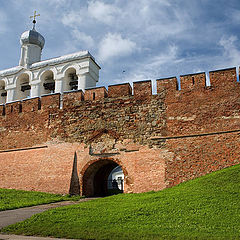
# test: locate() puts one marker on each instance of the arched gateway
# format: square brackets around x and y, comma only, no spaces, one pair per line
[95,177]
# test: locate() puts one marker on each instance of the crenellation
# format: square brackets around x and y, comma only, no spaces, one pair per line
[168,84]
[50,102]
[13,108]
[70,99]
[97,93]
[195,81]
[31,105]
[119,90]
[142,89]
[223,78]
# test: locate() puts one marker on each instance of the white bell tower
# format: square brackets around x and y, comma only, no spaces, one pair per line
[32,43]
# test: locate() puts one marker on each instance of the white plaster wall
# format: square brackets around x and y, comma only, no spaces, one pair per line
[30,54]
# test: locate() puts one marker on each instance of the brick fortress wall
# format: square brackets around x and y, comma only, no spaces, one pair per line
[159,140]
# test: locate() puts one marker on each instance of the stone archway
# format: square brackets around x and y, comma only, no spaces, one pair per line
[95,177]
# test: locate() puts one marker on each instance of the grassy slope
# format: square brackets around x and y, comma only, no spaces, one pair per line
[11,199]
[204,208]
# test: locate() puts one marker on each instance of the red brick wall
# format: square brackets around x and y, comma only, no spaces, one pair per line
[197,110]
[49,168]
[119,90]
[197,156]
[142,89]
[191,81]
[166,138]
[223,78]
[95,93]
[72,98]
[44,169]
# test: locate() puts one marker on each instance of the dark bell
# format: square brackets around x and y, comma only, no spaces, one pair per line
[34,21]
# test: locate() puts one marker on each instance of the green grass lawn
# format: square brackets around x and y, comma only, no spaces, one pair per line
[11,199]
[204,208]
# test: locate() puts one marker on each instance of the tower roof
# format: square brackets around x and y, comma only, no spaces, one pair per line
[32,37]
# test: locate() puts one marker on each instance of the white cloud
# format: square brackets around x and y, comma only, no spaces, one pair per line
[157,38]
[72,19]
[234,15]
[113,45]
[169,55]
[102,12]
[230,52]
[152,67]
[83,37]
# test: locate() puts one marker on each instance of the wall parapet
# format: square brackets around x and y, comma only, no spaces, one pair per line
[219,79]
[223,77]
[193,81]
[119,90]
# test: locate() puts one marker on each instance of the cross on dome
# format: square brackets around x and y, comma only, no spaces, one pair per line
[34,18]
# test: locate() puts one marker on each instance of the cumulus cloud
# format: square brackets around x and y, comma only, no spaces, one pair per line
[114,45]
[169,55]
[72,18]
[151,67]
[83,37]
[157,38]
[230,52]
[103,12]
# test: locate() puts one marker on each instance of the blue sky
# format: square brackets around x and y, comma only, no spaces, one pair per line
[130,39]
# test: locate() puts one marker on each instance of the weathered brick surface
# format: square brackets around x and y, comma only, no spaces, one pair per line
[12,109]
[72,98]
[191,81]
[31,105]
[203,110]
[159,140]
[223,78]
[197,156]
[2,110]
[119,90]
[142,89]
[50,102]
[95,93]
[168,85]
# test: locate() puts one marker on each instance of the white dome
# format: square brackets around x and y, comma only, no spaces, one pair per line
[32,37]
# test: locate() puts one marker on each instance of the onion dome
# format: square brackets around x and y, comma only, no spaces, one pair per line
[32,37]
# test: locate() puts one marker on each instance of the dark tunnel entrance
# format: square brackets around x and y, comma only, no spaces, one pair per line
[103,178]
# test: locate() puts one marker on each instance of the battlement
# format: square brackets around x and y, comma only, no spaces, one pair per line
[219,79]
[192,81]
[223,77]
[119,90]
